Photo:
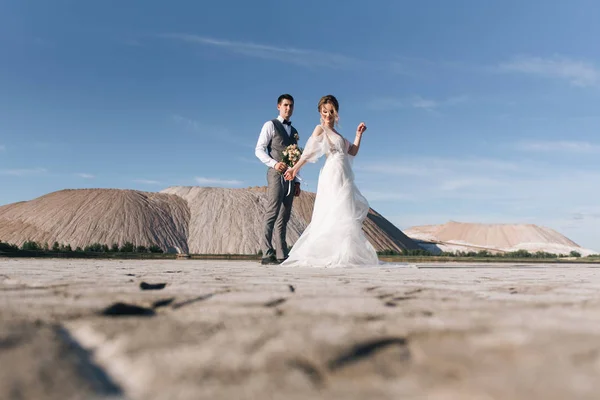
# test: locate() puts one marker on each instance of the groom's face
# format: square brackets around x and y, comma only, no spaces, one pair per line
[286,108]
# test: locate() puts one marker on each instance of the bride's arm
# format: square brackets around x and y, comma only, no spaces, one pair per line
[353,149]
[311,153]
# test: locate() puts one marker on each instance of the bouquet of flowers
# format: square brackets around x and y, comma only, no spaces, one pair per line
[291,155]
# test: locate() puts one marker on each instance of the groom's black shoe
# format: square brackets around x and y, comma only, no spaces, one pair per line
[269,260]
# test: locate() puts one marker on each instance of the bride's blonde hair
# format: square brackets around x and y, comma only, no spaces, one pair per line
[330,99]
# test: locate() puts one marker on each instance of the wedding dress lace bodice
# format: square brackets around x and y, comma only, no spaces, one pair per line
[327,143]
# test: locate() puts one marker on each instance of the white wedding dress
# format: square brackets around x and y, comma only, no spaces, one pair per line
[334,237]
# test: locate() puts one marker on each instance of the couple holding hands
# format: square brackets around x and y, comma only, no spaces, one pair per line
[334,237]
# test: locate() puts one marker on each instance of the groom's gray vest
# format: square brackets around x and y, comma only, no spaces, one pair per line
[279,204]
[280,140]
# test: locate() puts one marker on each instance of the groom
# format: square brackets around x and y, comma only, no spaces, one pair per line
[274,137]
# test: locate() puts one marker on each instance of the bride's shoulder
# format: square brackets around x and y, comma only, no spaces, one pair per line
[318,130]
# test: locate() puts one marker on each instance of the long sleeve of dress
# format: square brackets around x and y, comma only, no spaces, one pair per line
[316,146]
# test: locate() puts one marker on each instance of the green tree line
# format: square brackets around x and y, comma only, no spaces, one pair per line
[481,254]
[127,247]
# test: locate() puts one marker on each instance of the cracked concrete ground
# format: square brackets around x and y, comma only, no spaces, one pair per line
[85,329]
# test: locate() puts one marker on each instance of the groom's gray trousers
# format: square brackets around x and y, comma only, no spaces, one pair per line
[277,214]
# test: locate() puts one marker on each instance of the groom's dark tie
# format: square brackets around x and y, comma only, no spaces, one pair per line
[286,122]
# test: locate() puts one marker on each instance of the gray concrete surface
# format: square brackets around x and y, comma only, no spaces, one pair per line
[236,330]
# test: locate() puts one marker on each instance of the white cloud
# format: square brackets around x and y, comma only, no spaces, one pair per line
[248,160]
[429,190]
[431,166]
[561,146]
[86,176]
[451,101]
[217,181]
[386,196]
[186,122]
[147,182]
[420,102]
[578,73]
[23,171]
[390,103]
[419,67]
[464,183]
[302,57]
[132,42]
[484,183]
[394,169]
[583,231]
[211,132]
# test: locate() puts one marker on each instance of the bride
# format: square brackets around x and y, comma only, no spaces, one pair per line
[334,237]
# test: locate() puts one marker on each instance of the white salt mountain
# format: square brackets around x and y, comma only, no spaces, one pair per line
[197,220]
[456,236]
[80,217]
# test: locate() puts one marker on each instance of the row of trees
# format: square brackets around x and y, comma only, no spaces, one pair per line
[511,254]
[481,253]
[414,252]
[129,247]
[126,247]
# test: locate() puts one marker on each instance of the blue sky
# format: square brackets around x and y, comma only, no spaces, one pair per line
[476,111]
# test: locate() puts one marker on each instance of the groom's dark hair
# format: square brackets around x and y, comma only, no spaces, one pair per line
[285,97]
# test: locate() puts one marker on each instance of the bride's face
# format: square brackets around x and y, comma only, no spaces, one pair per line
[328,113]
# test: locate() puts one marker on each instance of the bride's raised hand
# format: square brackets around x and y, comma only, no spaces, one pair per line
[362,127]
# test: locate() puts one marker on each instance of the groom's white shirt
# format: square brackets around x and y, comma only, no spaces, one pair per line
[266,134]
